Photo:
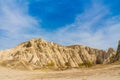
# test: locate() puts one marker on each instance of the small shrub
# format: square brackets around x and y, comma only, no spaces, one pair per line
[51,64]
[87,64]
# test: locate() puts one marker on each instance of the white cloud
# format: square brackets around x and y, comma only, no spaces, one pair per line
[15,23]
[82,30]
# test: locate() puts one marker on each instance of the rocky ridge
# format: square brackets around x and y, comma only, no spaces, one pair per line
[117,57]
[38,53]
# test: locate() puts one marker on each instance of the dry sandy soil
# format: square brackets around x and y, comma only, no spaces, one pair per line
[99,72]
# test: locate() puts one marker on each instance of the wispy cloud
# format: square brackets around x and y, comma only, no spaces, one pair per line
[16,25]
[82,30]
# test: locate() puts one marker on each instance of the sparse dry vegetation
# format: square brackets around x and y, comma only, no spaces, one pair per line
[87,64]
[51,64]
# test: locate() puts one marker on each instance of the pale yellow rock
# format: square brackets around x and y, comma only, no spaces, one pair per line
[110,56]
[37,53]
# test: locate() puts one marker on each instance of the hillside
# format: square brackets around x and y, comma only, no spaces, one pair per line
[38,53]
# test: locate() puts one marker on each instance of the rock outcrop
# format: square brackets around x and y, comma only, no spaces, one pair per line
[117,58]
[37,53]
[110,56]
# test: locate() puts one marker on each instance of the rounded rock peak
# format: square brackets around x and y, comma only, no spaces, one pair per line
[37,40]
[32,42]
[111,50]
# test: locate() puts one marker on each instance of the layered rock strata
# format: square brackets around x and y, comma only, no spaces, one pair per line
[37,53]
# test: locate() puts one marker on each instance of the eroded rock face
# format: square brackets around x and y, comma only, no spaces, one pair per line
[37,53]
[118,53]
[110,56]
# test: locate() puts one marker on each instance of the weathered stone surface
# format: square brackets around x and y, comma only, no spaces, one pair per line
[118,53]
[37,53]
[110,56]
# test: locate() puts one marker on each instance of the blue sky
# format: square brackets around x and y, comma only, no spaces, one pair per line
[94,23]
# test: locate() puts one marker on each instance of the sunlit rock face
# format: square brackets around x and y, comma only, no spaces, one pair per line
[110,56]
[117,58]
[38,53]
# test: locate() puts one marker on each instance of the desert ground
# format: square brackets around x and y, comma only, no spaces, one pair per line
[99,72]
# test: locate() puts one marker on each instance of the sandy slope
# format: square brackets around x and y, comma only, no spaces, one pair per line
[109,72]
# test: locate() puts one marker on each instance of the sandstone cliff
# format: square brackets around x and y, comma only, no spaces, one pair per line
[37,53]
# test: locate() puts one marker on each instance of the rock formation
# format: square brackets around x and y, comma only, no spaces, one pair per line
[118,53]
[37,53]
[110,56]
